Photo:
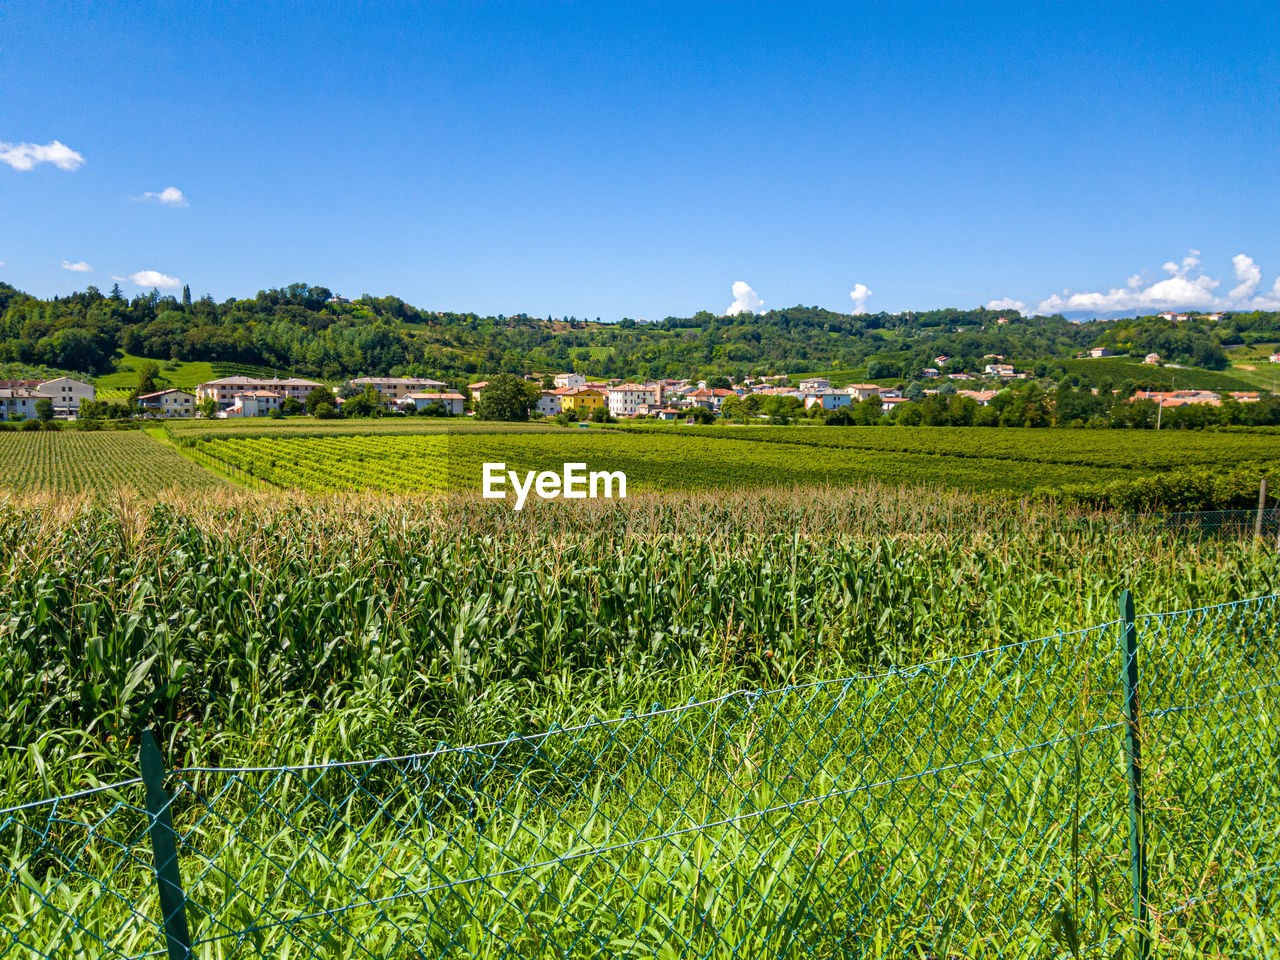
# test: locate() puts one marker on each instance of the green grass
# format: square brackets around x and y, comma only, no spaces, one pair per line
[184,375]
[939,812]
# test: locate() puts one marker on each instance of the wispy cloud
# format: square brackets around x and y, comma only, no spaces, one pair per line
[154,278]
[745,300]
[25,156]
[168,197]
[78,267]
[859,295]
[1185,286]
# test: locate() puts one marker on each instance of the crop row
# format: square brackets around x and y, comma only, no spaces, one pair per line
[99,462]
[1121,450]
[657,461]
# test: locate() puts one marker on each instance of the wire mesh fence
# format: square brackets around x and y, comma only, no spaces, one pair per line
[1234,524]
[974,806]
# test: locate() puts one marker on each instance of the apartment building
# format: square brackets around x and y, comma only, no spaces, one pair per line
[397,388]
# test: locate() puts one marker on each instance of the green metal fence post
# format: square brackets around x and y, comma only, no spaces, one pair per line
[1133,756]
[173,902]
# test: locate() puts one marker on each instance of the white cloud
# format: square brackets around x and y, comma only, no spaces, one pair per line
[154,278]
[78,267]
[24,156]
[169,197]
[1187,287]
[859,295]
[745,300]
[1248,276]
[1007,303]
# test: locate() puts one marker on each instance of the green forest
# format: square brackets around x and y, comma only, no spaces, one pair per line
[306,330]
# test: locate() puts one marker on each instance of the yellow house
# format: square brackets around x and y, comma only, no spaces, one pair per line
[580,400]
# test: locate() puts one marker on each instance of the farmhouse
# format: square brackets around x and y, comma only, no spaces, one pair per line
[1098,352]
[396,388]
[168,403]
[1275,357]
[1153,358]
[452,401]
[225,391]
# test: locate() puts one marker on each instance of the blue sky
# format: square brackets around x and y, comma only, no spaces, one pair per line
[637,159]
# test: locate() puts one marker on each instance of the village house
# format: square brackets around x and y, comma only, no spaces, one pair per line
[452,401]
[982,397]
[709,398]
[581,401]
[570,380]
[18,403]
[627,399]
[941,360]
[1275,357]
[861,391]
[998,370]
[1184,398]
[930,373]
[1152,358]
[548,403]
[828,400]
[1099,352]
[168,403]
[815,385]
[254,403]
[666,413]
[397,388]
[66,394]
[225,391]
[475,389]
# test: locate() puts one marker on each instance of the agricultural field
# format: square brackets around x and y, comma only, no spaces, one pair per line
[400,456]
[1251,363]
[99,462]
[1119,369]
[270,631]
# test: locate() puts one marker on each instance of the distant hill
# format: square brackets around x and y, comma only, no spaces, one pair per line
[305,330]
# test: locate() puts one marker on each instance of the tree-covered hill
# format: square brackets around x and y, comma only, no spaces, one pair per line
[304,329]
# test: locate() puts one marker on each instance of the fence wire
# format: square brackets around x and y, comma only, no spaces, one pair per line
[975,806]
